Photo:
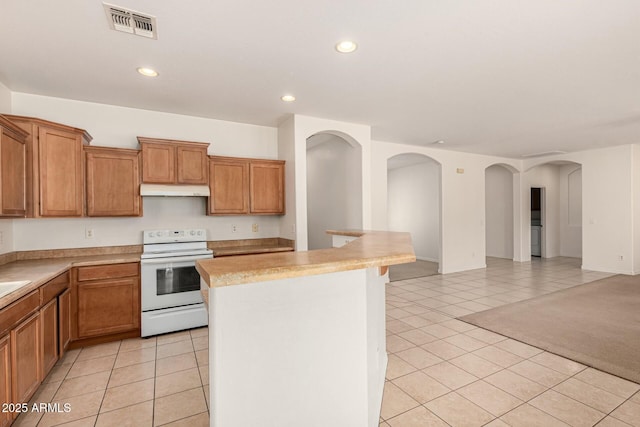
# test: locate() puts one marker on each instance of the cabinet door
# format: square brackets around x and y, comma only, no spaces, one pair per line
[267,187]
[108,306]
[64,321]
[229,185]
[192,164]
[5,379]
[25,359]
[158,163]
[113,182]
[60,171]
[12,166]
[48,337]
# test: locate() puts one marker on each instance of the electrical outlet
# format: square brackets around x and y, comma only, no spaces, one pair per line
[88,233]
[254,228]
[234,228]
[1,239]
[293,228]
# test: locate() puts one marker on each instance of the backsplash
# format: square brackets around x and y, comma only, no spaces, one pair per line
[159,213]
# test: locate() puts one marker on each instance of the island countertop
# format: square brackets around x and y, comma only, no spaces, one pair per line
[370,249]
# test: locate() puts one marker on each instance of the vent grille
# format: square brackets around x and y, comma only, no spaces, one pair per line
[129,21]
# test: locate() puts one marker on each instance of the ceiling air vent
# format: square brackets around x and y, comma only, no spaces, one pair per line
[129,21]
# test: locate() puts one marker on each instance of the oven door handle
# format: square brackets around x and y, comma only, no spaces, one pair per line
[173,260]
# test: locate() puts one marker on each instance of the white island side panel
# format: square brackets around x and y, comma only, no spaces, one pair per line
[300,351]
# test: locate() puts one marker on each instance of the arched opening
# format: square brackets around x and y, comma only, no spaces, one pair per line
[554,194]
[499,211]
[413,205]
[334,186]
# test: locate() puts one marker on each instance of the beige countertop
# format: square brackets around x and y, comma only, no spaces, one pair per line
[371,249]
[40,271]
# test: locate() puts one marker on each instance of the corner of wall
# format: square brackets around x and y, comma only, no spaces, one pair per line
[5,99]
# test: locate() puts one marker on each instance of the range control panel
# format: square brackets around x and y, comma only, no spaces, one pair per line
[171,236]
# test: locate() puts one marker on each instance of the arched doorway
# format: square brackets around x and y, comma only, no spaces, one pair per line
[413,205]
[555,219]
[334,186]
[499,211]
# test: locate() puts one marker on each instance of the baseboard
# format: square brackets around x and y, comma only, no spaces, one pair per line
[458,269]
[608,270]
[423,258]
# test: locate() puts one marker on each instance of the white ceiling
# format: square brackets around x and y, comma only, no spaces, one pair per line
[503,77]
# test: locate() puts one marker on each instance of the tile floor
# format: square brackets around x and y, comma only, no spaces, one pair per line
[441,372]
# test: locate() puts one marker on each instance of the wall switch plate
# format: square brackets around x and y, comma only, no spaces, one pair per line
[255,228]
[88,233]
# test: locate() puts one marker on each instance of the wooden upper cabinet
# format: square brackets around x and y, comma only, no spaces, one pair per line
[54,168]
[246,186]
[113,182]
[267,186]
[158,162]
[166,161]
[229,184]
[12,169]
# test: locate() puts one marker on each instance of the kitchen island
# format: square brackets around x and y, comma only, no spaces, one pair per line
[298,338]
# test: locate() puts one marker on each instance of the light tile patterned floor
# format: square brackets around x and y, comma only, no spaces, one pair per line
[159,381]
[444,372]
[441,372]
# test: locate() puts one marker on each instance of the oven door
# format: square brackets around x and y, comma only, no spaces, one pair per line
[170,282]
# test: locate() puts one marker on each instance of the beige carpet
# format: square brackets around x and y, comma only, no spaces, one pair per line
[412,270]
[597,324]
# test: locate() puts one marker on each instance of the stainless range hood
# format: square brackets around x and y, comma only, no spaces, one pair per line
[174,190]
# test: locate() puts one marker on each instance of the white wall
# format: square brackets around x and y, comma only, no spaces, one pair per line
[5,99]
[334,176]
[636,208]
[118,127]
[570,211]
[607,207]
[499,211]
[303,128]
[286,152]
[413,204]
[462,210]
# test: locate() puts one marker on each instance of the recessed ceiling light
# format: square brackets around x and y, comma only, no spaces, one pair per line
[148,72]
[288,98]
[440,141]
[346,46]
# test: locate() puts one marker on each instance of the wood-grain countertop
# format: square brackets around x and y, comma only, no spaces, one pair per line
[370,249]
[40,271]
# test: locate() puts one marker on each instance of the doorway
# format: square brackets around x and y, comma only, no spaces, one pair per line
[334,187]
[413,206]
[537,214]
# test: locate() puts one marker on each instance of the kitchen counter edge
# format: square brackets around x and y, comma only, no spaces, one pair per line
[40,271]
[370,249]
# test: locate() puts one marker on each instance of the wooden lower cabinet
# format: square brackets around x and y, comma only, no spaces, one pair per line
[25,359]
[49,337]
[64,321]
[5,378]
[108,299]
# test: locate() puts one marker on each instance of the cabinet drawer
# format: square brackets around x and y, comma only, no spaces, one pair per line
[111,271]
[13,314]
[54,287]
